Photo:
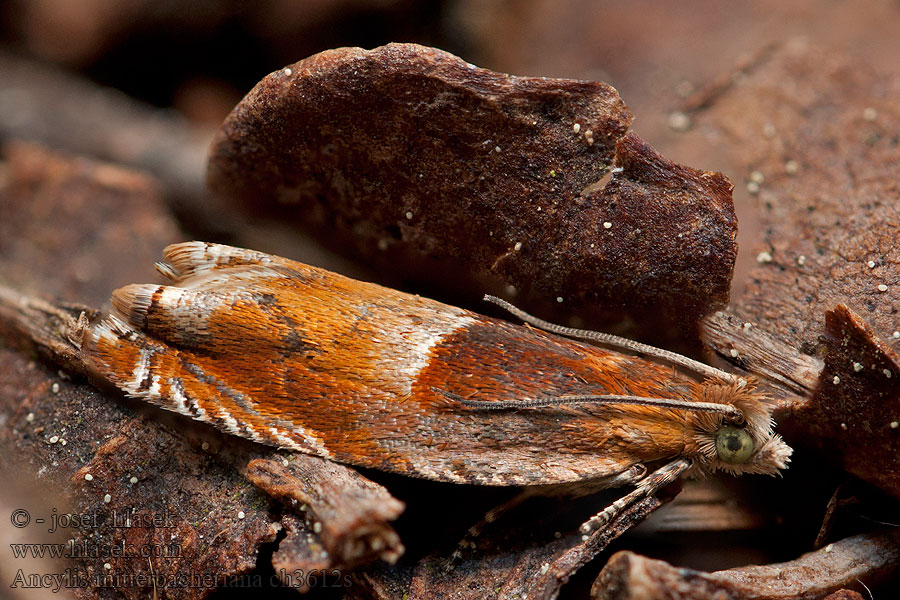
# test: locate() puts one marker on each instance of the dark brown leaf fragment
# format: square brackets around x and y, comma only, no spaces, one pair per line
[420,162]
[658,239]
[854,413]
[843,564]
[755,350]
[828,201]
[845,595]
[169,498]
[502,567]
[349,513]
[299,552]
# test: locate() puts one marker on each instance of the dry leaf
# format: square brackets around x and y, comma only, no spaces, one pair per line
[424,163]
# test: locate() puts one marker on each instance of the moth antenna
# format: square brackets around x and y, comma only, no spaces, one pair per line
[724,409]
[620,342]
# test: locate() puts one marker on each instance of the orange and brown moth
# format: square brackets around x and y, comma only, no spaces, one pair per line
[298,357]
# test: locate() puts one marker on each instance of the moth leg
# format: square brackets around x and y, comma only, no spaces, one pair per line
[629,476]
[475,531]
[647,486]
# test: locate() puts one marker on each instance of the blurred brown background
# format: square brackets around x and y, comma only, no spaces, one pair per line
[199,58]
[180,67]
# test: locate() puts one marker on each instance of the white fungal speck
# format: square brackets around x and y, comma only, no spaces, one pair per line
[497,149]
[409,215]
[241,514]
[284,462]
[88,477]
[204,446]
[133,480]
[757,177]
[882,287]
[317,527]
[684,88]
[30,417]
[576,127]
[288,71]
[54,388]
[791,167]
[829,547]
[763,258]
[896,335]
[857,367]
[887,373]
[844,426]
[679,121]
[589,137]
[871,264]
[895,424]
[518,246]
[747,326]
[607,225]
[559,299]
[801,260]
[54,439]
[752,187]
[836,380]
[107,498]
[107,566]
[733,353]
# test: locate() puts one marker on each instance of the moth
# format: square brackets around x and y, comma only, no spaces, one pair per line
[298,357]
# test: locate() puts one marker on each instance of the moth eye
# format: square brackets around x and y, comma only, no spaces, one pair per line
[733,445]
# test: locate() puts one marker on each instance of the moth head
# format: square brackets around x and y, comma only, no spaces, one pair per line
[737,446]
